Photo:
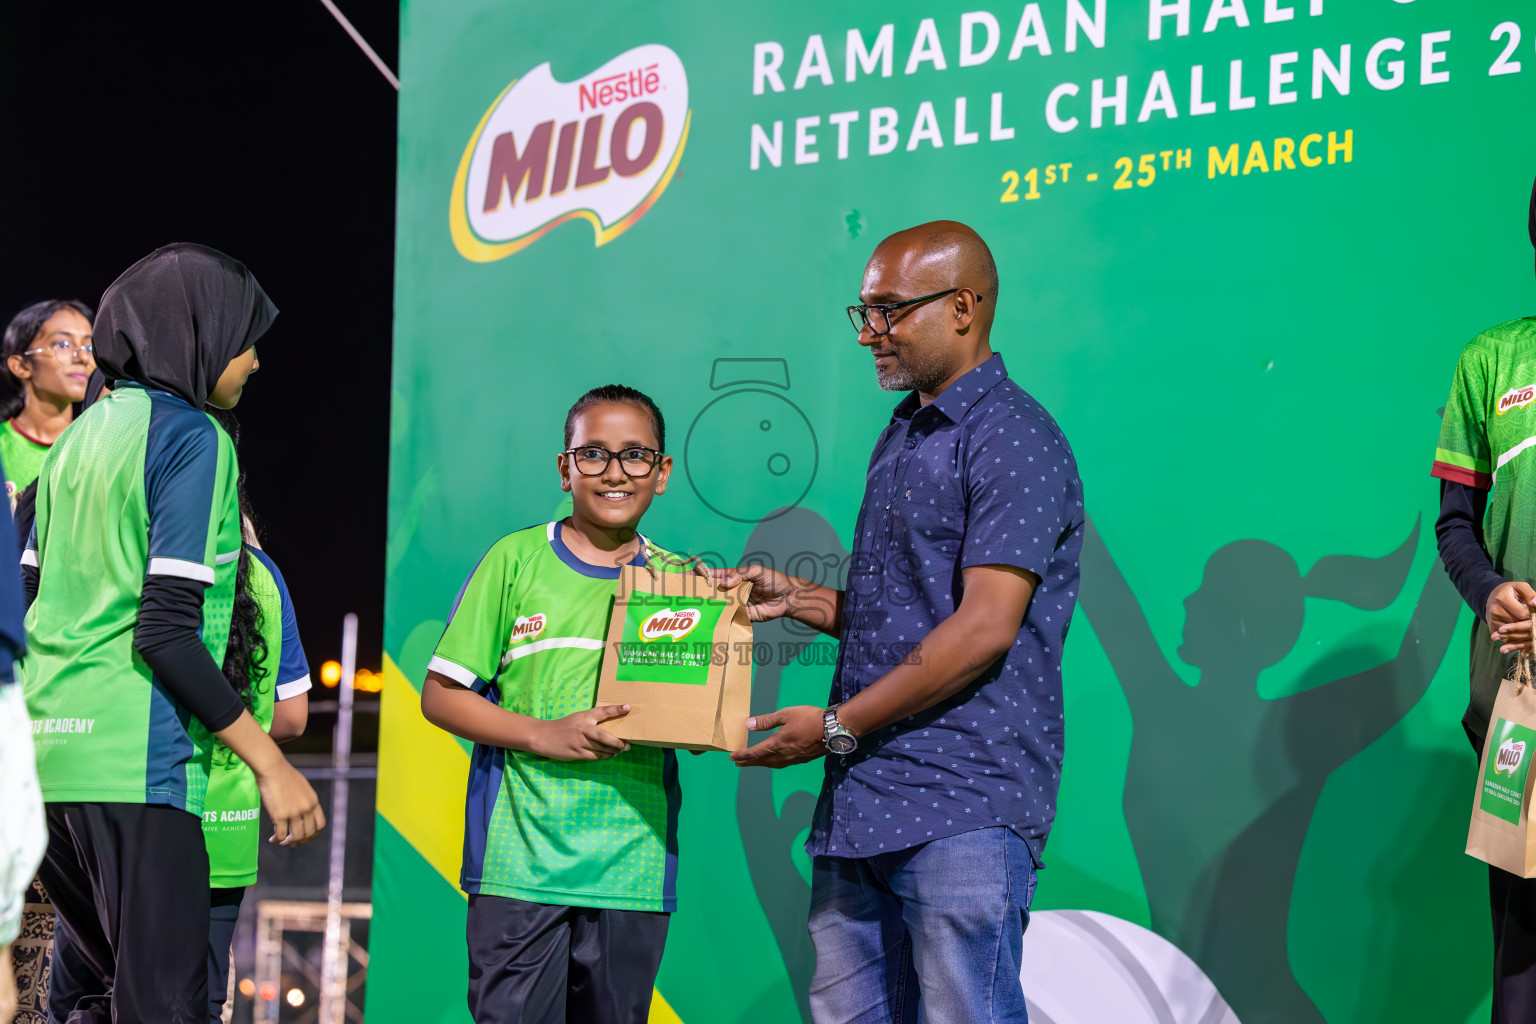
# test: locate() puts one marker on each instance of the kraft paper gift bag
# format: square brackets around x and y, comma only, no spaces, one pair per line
[679,653]
[1501,832]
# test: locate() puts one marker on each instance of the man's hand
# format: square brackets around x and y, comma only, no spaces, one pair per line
[580,737]
[291,803]
[770,589]
[799,739]
[775,595]
[1509,615]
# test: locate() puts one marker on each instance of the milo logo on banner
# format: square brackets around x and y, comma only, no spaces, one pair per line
[1503,792]
[601,148]
[667,639]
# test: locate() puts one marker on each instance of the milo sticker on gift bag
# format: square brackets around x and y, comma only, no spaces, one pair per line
[666,658]
[1509,761]
[667,639]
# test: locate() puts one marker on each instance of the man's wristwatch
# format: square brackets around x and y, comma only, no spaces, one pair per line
[837,739]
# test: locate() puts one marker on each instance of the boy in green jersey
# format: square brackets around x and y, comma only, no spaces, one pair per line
[129,572]
[570,835]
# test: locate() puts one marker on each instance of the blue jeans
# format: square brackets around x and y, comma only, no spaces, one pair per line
[945,919]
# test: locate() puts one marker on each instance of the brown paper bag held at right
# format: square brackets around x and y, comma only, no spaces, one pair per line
[1501,832]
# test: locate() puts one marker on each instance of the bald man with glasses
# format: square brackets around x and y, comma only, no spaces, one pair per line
[944,734]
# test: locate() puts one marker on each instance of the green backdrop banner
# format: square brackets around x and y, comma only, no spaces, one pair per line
[1240,244]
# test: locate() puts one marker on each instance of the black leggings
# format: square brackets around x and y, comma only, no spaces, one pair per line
[1513,902]
[129,883]
[223,913]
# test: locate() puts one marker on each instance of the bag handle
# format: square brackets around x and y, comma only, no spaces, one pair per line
[654,560]
[1524,671]
[654,568]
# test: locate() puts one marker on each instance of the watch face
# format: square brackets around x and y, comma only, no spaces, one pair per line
[842,743]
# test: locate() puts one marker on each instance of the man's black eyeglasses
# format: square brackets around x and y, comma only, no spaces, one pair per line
[877,315]
[592,460]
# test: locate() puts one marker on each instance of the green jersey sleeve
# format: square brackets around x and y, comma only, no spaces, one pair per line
[1462,455]
[469,652]
[22,458]
[189,488]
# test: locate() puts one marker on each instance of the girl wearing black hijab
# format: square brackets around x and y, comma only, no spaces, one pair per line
[130,572]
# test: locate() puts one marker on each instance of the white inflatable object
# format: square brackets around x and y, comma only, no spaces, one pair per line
[1083,967]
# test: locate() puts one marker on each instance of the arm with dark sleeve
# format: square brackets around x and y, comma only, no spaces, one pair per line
[189,493]
[167,638]
[1459,532]
[1464,466]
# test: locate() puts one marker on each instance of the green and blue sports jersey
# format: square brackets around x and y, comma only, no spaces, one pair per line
[232,808]
[141,484]
[527,632]
[22,458]
[1488,441]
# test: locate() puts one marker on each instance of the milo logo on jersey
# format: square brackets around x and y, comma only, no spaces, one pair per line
[670,625]
[1504,776]
[600,148]
[526,627]
[1517,398]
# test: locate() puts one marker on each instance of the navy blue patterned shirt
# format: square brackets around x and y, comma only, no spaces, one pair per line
[981,476]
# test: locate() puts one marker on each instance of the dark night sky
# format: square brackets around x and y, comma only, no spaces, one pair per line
[259,129]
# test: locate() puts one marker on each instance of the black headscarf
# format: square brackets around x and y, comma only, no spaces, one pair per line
[176,318]
[1533,214]
[93,389]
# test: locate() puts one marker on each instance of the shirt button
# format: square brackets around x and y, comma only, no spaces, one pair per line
[911,443]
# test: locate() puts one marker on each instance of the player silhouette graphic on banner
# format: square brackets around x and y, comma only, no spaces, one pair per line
[1222,783]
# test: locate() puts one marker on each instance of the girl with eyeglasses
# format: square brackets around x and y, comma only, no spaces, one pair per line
[48,360]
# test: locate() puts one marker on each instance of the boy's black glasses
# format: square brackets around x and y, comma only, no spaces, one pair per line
[592,460]
[877,315]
